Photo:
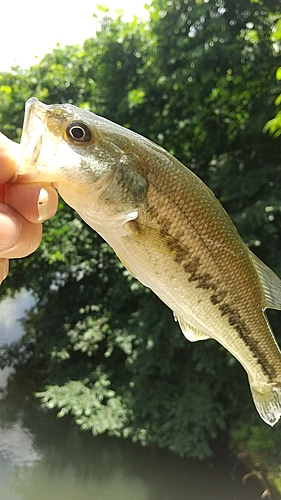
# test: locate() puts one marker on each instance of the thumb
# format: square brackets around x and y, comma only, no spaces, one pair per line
[4,268]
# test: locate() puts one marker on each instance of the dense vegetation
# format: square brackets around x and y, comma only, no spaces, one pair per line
[199,79]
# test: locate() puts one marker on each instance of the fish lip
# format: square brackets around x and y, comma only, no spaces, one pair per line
[30,101]
[34,121]
[30,111]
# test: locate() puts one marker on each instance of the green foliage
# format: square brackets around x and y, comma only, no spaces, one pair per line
[96,408]
[198,79]
[261,445]
[274,125]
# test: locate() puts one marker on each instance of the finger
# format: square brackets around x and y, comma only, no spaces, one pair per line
[2,193]
[4,268]
[36,203]
[18,236]
[9,158]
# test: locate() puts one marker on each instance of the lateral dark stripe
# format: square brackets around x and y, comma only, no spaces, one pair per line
[191,265]
[204,281]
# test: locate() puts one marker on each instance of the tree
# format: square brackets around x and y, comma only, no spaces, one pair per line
[274,125]
[199,79]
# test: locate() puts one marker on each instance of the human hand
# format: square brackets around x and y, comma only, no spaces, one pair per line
[23,208]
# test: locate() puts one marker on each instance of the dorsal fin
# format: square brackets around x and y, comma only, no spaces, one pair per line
[270,282]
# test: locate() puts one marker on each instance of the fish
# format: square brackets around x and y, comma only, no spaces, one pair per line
[167,228]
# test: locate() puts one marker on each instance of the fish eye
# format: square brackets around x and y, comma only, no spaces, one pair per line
[78,133]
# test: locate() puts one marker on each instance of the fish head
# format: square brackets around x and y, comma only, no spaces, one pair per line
[61,142]
[86,158]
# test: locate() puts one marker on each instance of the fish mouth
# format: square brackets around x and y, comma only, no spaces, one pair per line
[34,127]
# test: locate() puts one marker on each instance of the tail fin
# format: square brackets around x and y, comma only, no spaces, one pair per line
[267,399]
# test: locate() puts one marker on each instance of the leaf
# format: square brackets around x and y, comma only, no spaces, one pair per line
[278,74]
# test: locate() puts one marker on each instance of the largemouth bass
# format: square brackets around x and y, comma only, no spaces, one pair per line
[168,229]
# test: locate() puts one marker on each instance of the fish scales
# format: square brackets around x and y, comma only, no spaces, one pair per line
[190,243]
[167,228]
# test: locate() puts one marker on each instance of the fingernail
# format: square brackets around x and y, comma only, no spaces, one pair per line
[43,205]
[10,231]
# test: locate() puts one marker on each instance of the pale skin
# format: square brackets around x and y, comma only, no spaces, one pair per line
[23,208]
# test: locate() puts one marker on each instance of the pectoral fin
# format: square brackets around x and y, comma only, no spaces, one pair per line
[152,238]
[270,282]
[191,332]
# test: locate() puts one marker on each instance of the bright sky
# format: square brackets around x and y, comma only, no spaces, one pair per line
[30,28]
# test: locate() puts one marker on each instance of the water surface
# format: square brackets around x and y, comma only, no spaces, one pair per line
[45,458]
